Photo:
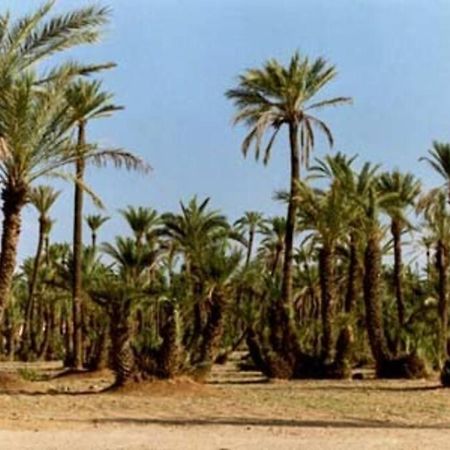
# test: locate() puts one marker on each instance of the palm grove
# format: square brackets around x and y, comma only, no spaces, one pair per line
[313,294]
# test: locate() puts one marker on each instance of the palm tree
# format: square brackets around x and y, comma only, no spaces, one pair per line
[35,37]
[42,198]
[94,222]
[142,221]
[269,98]
[194,232]
[86,102]
[118,292]
[439,160]
[407,188]
[272,244]
[327,215]
[252,222]
[32,134]
[434,207]
[372,205]
[356,185]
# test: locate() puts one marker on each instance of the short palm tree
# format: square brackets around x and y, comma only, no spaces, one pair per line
[327,216]
[118,291]
[274,96]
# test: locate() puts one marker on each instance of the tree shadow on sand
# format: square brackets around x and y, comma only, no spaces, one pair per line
[255,422]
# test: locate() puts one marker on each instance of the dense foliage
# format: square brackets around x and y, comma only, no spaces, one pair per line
[355,274]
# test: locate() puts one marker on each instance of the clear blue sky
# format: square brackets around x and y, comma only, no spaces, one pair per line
[177,57]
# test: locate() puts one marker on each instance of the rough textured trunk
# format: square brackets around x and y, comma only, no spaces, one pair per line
[372,300]
[327,289]
[396,230]
[170,352]
[13,198]
[77,281]
[122,356]
[442,269]
[213,330]
[352,277]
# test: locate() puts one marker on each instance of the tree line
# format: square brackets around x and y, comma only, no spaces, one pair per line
[313,294]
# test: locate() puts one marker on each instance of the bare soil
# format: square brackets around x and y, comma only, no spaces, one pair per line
[232,410]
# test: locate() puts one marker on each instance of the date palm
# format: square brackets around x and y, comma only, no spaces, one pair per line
[326,217]
[407,188]
[439,160]
[270,98]
[94,222]
[118,291]
[434,207]
[252,222]
[86,102]
[142,221]
[35,37]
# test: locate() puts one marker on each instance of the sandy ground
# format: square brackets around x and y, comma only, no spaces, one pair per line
[232,411]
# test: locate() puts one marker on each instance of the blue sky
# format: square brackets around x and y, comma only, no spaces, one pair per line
[176,58]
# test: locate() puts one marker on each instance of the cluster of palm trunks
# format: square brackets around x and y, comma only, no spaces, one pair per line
[316,294]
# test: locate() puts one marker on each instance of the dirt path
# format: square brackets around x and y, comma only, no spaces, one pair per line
[224,437]
[233,411]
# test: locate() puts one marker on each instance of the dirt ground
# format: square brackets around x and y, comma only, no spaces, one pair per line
[231,411]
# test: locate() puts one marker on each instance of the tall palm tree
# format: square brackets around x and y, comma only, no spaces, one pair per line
[274,96]
[252,222]
[86,102]
[94,222]
[372,205]
[407,188]
[42,198]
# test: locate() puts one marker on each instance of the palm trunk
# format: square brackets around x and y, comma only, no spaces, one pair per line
[442,268]
[398,267]
[327,288]
[282,335]
[94,241]
[286,286]
[14,198]
[122,356]
[170,353]
[77,285]
[352,277]
[251,237]
[213,330]
[372,300]
[33,284]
